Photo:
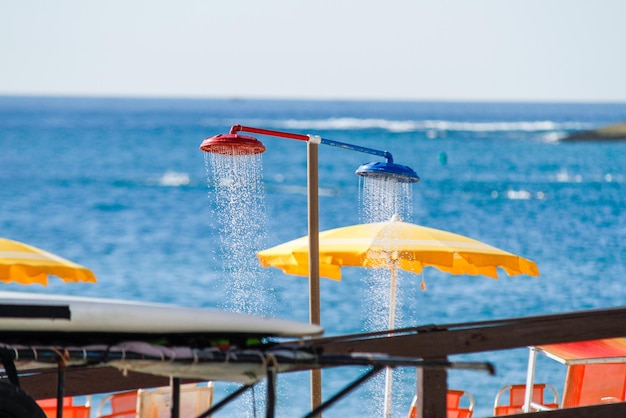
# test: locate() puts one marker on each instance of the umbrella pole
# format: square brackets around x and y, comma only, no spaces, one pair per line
[392,324]
[392,297]
[314,260]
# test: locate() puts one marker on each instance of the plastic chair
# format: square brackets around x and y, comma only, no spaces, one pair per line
[123,405]
[194,400]
[49,407]
[516,398]
[453,405]
[592,384]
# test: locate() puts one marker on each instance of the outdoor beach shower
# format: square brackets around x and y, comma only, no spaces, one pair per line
[235,144]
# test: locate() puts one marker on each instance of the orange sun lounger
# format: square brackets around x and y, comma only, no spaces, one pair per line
[454,408]
[515,398]
[70,410]
[596,371]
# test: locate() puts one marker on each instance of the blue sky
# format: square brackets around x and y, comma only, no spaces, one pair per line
[532,50]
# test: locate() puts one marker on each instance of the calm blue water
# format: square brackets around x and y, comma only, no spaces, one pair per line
[120,186]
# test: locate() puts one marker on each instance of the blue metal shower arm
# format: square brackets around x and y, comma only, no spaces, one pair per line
[385,154]
[300,137]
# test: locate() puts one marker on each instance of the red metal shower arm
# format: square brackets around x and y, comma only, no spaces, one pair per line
[238,128]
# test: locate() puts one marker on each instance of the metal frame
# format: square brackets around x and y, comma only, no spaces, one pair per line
[270,357]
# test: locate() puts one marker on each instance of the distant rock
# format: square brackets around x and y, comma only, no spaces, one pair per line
[616,132]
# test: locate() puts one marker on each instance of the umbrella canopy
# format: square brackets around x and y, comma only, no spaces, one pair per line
[395,243]
[25,264]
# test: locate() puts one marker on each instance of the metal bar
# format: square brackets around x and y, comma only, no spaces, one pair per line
[175,393]
[268,132]
[7,357]
[435,341]
[385,154]
[317,411]
[60,388]
[302,137]
[270,404]
[530,378]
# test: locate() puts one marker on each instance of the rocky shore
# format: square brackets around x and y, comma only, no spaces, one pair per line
[615,132]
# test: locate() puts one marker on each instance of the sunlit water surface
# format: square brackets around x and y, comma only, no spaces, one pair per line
[119,185]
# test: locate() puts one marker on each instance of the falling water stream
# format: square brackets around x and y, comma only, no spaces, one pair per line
[241,217]
[240,214]
[381,199]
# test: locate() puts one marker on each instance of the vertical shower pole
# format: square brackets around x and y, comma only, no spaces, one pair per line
[314,258]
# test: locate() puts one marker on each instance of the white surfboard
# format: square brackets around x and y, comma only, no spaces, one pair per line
[32,312]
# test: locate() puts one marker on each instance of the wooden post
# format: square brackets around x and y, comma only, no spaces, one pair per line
[432,388]
[314,260]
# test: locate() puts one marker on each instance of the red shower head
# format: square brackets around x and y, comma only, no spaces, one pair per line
[232,144]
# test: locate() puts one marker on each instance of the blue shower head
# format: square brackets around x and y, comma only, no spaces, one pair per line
[388,170]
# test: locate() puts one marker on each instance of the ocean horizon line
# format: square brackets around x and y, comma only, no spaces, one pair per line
[373,100]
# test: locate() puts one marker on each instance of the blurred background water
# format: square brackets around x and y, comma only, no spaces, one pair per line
[120,186]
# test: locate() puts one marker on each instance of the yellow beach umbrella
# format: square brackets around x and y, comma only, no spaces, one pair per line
[25,264]
[395,244]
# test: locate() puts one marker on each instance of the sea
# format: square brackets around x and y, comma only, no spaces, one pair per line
[120,186]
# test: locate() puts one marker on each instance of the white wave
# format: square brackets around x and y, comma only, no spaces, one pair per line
[352,123]
[564,176]
[424,125]
[519,194]
[173,178]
